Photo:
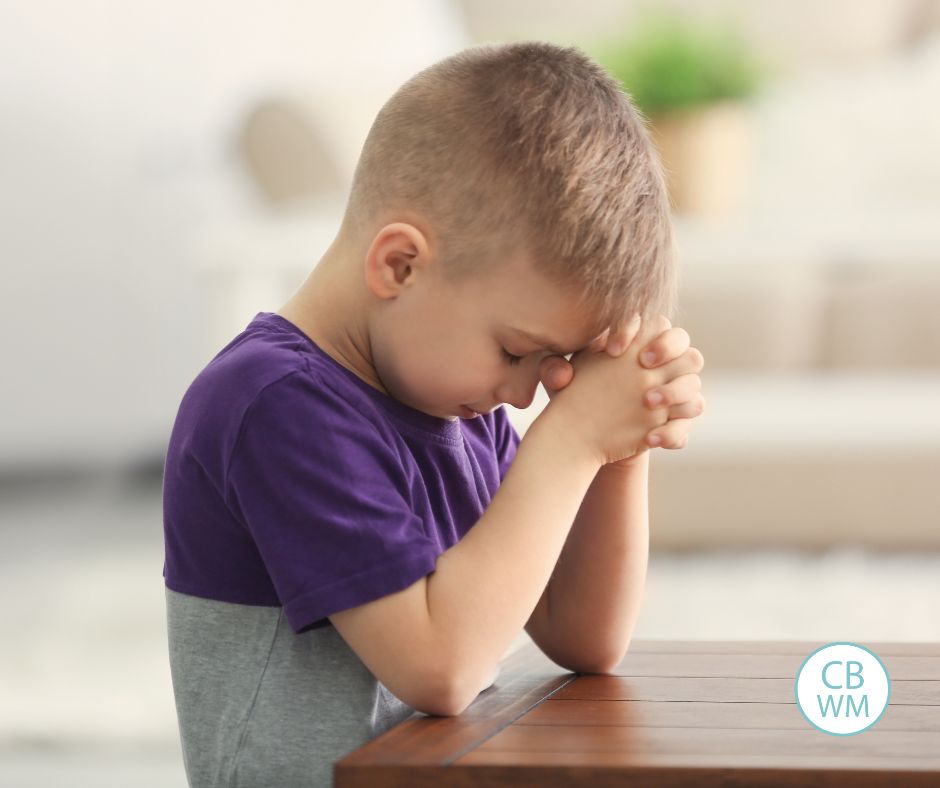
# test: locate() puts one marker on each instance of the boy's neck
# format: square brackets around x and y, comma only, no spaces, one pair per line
[331,308]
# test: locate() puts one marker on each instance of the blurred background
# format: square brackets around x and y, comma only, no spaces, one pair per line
[171,169]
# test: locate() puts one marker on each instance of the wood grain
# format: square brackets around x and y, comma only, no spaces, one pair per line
[701,713]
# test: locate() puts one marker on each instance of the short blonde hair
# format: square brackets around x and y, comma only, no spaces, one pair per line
[532,147]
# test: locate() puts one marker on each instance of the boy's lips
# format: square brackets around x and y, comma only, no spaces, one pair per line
[469,413]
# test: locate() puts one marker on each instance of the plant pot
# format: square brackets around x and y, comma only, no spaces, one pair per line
[706,153]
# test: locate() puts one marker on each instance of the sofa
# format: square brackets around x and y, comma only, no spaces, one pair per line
[821,337]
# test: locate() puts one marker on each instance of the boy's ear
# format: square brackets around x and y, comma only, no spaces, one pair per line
[397,252]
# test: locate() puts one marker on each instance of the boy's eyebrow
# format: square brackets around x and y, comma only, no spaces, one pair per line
[548,344]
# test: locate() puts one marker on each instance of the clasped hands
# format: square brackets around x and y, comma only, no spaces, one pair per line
[668,349]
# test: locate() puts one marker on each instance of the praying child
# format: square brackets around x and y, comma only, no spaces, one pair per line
[355,532]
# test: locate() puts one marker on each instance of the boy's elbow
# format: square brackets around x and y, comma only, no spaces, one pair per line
[454,709]
[607,664]
[462,693]
[599,663]
[445,704]
[440,697]
[597,668]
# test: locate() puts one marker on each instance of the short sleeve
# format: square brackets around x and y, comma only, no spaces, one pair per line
[324,495]
[507,440]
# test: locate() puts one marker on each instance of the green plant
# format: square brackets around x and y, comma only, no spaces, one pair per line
[670,64]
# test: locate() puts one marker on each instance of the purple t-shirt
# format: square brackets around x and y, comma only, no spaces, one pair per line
[290,481]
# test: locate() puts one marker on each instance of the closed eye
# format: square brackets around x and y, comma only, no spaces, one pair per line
[513,360]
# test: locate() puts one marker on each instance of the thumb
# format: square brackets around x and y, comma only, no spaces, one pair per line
[555,373]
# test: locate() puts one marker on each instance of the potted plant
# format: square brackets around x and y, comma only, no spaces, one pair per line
[692,83]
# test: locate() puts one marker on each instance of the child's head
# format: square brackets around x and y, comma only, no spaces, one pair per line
[512,181]
[529,146]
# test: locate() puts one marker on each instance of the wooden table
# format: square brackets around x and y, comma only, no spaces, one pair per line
[702,713]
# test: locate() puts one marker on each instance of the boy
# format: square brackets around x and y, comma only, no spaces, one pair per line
[354,530]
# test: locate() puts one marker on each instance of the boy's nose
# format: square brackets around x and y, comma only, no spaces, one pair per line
[522,392]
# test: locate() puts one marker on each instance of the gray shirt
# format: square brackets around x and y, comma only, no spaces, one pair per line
[294,490]
[259,705]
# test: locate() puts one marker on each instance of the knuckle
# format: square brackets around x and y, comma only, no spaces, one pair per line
[651,383]
[655,417]
[662,391]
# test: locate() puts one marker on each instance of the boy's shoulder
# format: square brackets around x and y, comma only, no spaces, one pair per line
[270,372]
[267,349]
[268,352]
[273,379]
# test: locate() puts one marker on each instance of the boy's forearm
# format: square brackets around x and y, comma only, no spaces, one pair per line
[486,586]
[596,590]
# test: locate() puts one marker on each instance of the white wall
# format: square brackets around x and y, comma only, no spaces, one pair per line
[117,123]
